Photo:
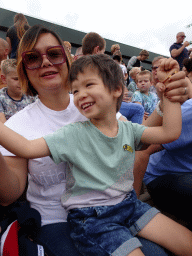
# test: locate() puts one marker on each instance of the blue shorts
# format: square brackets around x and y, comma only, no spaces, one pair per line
[110,230]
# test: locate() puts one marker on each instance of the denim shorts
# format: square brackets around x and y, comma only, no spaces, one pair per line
[110,230]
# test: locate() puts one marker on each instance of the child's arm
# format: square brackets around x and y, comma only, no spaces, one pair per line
[20,146]
[172,121]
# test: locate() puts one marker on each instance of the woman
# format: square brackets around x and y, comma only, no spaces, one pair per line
[47,77]
[15,33]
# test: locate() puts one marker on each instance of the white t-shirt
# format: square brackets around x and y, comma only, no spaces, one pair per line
[46,179]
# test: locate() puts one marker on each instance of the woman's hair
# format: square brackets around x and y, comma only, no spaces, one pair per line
[187,63]
[108,70]
[27,43]
[21,24]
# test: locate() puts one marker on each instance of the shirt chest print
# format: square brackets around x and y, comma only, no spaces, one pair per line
[128,148]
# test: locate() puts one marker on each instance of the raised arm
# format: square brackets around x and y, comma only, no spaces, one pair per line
[20,146]
[172,121]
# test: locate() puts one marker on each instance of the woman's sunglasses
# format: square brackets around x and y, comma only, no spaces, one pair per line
[33,59]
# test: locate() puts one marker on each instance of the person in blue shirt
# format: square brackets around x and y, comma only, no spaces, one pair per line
[178,50]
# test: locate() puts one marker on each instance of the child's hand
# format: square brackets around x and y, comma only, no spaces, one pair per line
[166,69]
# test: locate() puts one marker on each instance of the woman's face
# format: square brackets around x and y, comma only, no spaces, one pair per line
[49,77]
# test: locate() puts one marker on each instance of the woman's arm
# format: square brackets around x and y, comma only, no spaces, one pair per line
[13,178]
[140,165]
[20,146]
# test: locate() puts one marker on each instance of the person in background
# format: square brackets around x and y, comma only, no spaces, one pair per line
[15,33]
[143,95]
[114,49]
[4,50]
[136,61]
[117,58]
[78,53]
[12,98]
[178,50]
[93,43]
[68,46]
[132,86]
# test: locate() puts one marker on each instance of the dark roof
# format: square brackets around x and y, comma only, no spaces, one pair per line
[73,36]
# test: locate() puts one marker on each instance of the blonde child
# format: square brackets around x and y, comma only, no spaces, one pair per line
[143,95]
[104,212]
[12,98]
[132,86]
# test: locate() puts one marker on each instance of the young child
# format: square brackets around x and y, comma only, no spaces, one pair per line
[132,86]
[12,98]
[104,212]
[143,96]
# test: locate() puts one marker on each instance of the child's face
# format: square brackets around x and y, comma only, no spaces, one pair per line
[143,83]
[91,97]
[12,81]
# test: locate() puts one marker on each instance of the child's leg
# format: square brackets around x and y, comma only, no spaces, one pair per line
[136,252]
[169,234]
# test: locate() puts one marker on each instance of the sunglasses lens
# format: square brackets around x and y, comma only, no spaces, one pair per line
[56,55]
[32,59]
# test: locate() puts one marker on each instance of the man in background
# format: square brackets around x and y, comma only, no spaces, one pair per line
[178,50]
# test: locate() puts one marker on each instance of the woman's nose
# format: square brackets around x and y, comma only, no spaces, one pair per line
[45,61]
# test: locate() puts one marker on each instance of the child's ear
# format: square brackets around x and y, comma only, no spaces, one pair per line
[118,91]
[3,78]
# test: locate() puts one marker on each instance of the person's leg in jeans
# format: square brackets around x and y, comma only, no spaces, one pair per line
[132,111]
[57,242]
[172,193]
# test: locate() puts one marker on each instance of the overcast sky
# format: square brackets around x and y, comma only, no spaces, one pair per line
[150,25]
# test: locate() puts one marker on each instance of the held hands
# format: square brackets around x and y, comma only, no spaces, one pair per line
[173,85]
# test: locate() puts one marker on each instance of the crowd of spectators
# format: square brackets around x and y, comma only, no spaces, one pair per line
[34,109]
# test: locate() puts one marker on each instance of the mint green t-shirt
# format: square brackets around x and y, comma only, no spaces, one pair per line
[100,168]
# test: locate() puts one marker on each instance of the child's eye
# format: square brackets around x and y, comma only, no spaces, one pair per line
[88,85]
[74,92]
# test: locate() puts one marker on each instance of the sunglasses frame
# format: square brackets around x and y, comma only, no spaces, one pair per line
[41,54]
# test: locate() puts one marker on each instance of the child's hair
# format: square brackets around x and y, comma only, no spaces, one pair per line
[133,71]
[144,72]
[90,41]
[7,64]
[109,71]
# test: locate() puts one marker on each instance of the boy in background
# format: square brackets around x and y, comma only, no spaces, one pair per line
[143,95]
[132,86]
[12,98]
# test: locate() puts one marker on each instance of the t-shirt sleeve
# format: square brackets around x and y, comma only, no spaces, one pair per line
[61,143]
[138,130]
